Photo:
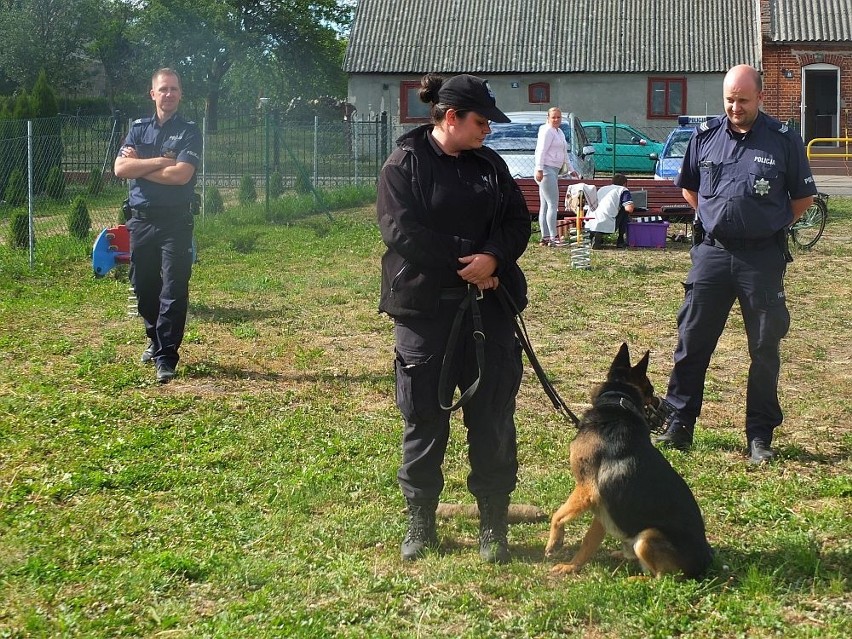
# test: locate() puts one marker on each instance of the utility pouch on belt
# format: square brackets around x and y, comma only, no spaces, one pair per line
[195,204]
[697,232]
[126,211]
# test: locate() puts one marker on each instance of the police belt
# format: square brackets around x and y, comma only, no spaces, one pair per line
[454,293]
[740,244]
[160,212]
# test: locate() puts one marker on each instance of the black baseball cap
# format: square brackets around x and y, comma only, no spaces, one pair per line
[471,93]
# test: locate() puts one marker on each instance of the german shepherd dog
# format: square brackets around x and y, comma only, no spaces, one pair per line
[634,493]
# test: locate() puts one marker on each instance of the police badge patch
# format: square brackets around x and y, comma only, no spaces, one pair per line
[761,186]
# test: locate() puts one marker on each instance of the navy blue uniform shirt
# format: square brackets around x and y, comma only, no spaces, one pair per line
[178,139]
[745,182]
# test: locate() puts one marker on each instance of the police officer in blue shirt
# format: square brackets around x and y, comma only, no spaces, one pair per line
[748,178]
[160,156]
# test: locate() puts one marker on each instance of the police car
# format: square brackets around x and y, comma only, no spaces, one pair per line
[671,157]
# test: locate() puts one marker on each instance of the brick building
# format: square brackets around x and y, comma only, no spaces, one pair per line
[642,62]
[807,64]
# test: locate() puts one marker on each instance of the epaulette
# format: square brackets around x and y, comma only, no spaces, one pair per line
[139,121]
[179,118]
[709,125]
[780,127]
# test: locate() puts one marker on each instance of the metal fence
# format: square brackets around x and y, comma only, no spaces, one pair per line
[51,167]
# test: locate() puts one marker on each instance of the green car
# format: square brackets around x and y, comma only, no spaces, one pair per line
[632,148]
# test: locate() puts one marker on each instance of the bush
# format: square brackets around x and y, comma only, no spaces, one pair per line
[213,202]
[96,182]
[19,229]
[243,242]
[79,222]
[303,183]
[55,184]
[276,185]
[349,196]
[16,189]
[248,190]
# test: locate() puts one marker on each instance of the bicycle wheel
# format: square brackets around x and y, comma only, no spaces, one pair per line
[808,229]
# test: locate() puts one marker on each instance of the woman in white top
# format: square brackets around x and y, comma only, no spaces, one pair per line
[551,151]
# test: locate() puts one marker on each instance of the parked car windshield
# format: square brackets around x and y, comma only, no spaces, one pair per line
[518,137]
[679,142]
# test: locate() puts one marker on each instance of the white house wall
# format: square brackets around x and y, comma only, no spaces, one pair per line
[589,96]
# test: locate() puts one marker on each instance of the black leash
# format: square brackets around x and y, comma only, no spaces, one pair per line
[521,332]
[468,301]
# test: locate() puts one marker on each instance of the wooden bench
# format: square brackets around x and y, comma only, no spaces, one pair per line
[665,200]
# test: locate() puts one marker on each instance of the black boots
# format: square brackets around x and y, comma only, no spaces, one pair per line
[676,436]
[759,451]
[493,527]
[421,529]
[596,240]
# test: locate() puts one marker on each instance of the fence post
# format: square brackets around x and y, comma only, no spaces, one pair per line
[354,128]
[30,192]
[111,151]
[203,166]
[316,150]
[385,137]
[614,138]
[266,153]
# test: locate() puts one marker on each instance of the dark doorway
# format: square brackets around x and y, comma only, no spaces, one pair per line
[820,104]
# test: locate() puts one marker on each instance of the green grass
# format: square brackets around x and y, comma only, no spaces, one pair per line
[256,496]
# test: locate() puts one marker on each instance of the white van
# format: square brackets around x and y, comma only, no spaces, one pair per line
[515,142]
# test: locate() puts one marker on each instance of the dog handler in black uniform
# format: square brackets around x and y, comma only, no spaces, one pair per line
[160,156]
[748,178]
[455,224]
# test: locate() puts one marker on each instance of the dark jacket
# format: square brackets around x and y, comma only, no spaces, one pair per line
[420,260]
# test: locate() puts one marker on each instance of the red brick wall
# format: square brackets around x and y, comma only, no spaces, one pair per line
[782,96]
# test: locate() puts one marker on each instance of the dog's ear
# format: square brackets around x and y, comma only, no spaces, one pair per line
[641,369]
[622,360]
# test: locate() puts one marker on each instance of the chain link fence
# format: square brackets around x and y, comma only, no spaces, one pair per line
[57,189]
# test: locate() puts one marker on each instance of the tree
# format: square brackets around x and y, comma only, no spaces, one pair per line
[13,154]
[44,34]
[79,220]
[47,143]
[204,39]
[199,38]
[125,68]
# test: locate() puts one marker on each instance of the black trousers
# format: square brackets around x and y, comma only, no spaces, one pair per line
[488,416]
[160,267]
[754,277]
[621,221]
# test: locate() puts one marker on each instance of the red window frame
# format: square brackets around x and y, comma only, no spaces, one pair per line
[667,108]
[405,88]
[534,88]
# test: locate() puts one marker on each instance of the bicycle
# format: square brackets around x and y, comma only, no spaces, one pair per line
[808,229]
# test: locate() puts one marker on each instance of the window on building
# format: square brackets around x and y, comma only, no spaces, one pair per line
[411,109]
[540,93]
[666,97]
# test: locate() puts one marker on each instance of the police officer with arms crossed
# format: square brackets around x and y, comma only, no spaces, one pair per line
[747,176]
[159,157]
